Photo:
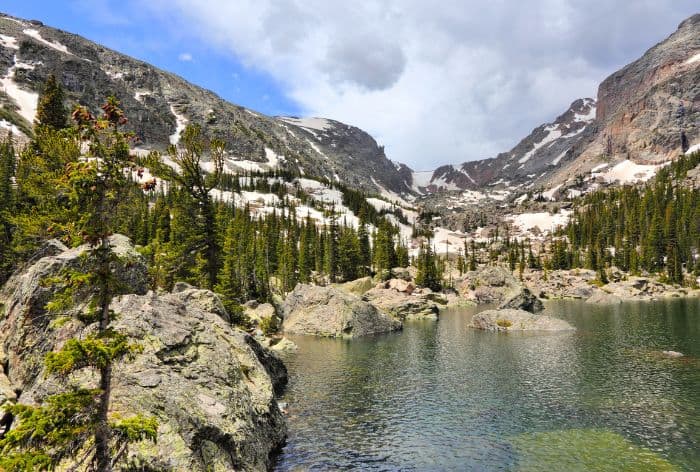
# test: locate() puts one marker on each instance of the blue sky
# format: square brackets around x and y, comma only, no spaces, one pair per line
[145,36]
[436,83]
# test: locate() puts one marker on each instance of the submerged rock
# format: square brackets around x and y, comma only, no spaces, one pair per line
[328,311]
[211,386]
[584,449]
[517,320]
[604,298]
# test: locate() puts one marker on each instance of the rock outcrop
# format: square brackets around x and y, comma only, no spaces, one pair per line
[517,320]
[523,299]
[211,386]
[402,300]
[328,311]
[496,284]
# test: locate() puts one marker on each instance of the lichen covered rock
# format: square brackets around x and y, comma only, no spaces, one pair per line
[328,311]
[517,320]
[211,386]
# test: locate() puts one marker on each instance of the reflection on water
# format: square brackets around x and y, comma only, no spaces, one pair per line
[441,396]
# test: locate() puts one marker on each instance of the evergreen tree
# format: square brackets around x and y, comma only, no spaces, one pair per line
[7,198]
[50,110]
[428,273]
[77,422]
[197,185]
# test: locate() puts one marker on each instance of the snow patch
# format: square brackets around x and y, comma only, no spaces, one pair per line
[693,59]
[590,116]
[549,194]
[139,95]
[544,221]
[272,157]
[4,124]
[551,136]
[180,124]
[558,159]
[318,124]
[693,148]
[33,33]
[573,193]
[314,147]
[629,172]
[26,100]
[472,196]
[599,167]
[9,42]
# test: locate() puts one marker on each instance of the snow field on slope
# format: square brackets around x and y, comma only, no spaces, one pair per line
[26,100]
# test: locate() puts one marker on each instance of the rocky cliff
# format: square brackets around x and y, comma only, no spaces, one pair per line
[645,113]
[211,387]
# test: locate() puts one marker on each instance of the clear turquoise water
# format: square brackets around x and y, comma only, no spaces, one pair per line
[442,396]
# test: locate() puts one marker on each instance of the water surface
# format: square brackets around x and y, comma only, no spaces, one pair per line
[442,396]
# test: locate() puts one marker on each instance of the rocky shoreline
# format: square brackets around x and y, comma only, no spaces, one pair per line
[212,387]
[366,306]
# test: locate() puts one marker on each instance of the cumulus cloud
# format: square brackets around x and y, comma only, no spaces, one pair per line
[435,82]
[185,57]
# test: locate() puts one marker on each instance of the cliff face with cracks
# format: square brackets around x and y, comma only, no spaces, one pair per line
[211,386]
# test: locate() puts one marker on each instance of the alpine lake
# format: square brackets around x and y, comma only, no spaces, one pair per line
[443,396]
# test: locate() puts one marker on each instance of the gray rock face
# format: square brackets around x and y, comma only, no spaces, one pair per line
[638,114]
[523,300]
[211,386]
[490,284]
[256,312]
[357,287]
[328,311]
[401,302]
[517,320]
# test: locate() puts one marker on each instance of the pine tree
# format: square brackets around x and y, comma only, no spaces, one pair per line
[428,273]
[50,111]
[7,198]
[348,254]
[197,184]
[77,422]
[365,248]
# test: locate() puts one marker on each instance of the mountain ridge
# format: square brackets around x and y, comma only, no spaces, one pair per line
[159,104]
[646,113]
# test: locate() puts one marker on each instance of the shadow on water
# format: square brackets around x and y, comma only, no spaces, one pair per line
[442,396]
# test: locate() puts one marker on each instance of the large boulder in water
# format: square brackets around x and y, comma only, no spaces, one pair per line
[517,320]
[211,386]
[522,299]
[329,311]
[489,284]
[400,301]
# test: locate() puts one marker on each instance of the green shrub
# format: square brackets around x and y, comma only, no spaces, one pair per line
[504,323]
[269,325]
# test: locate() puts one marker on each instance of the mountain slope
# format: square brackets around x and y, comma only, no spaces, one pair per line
[160,104]
[645,114]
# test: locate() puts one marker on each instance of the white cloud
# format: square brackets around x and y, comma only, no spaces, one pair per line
[185,57]
[436,82]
